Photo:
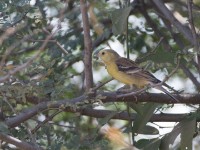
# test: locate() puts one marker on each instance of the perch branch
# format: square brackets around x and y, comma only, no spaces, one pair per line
[73,104]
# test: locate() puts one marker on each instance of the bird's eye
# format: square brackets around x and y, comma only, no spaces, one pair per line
[103,53]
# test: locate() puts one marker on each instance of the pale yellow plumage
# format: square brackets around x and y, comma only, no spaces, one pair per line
[128,72]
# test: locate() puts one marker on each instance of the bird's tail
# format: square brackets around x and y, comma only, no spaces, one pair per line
[166,92]
[171,88]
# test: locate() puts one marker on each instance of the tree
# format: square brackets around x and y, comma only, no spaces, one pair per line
[49,90]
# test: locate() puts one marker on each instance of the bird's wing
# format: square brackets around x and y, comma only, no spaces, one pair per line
[131,68]
[127,66]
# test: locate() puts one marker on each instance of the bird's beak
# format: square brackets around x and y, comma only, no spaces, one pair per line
[96,55]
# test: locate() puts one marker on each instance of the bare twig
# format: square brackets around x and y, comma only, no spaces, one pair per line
[56,42]
[180,43]
[88,47]
[138,60]
[101,84]
[14,45]
[195,38]
[153,25]
[45,121]
[23,66]
[190,75]
[168,14]
[9,104]
[174,70]
[10,31]
[18,143]
[7,33]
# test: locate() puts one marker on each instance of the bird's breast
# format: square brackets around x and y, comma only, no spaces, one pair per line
[129,79]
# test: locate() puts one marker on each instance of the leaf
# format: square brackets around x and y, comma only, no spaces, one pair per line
[137,107]
[4,128]
[107,118]
[142,119]
[148,144]
[119,20]
[21,2]
[170,137]
[188,127]
[149,130]
[162,56]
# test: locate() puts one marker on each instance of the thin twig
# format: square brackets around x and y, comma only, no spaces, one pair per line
[25,65]
[45,121]
[14,45]
[190,75]
[168,14]
[194,34]
[101,84]
[138,60]
[9,104]
[57,43]
[10,31]
[18,143]
[174,70]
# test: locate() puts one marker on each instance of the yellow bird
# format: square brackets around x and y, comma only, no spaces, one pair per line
[128,72]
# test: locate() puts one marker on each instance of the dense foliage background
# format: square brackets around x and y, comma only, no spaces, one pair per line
[52,92]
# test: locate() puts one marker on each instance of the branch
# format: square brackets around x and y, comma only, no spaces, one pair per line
[181,45]
[73,104]
[18,143]
[196,42]
[153,25]
[88,47]
[190,75]
[45,121]
[127,116]
[23,66]
[168,14]
[14,45]
[28,113]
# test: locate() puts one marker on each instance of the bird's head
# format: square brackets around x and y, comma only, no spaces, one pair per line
[108,55]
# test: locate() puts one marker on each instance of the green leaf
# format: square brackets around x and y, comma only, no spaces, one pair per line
[137,107]
[162,56]
[148,144]
[142,119]
[107,118]
[149,130]
[4,128]
[119,20]
[170,137]
[188,127]
[21,2]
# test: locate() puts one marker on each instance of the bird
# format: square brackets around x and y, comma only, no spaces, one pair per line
[128,72]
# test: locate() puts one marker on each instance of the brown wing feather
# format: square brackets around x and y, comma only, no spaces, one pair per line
[131,68]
